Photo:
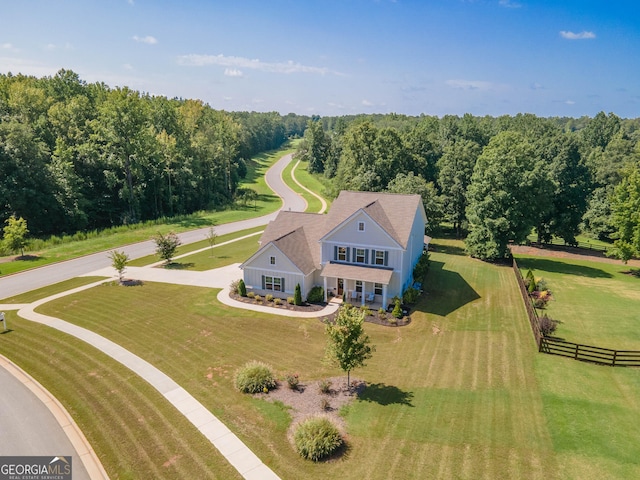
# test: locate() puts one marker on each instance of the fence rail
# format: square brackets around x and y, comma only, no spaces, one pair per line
[589,353]
[585,353]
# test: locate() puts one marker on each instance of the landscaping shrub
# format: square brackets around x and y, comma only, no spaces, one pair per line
[234,287]
[540,298]
[548,325]
[317,438]
[316,295]
[277,301]
[325,386]
[297,295]
[255,377]
[422,267]
[325,404]
[397,310]
[382,313]
[293,381]
[290,300]
[411,295]
[258,299]
[366,310]
[268,297]
[242,288]
[251,295]
[530,282]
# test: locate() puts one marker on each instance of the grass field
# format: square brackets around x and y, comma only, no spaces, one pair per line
[267,202]
[308,180]
[454,395]
[597,303]
[459,393]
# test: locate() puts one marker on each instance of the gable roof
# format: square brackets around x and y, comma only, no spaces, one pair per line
[296,234]
[393,212]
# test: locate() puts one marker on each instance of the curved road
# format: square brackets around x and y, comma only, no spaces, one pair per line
[27,427]
[41,277]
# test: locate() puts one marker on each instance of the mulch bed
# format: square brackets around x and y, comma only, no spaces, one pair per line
[316,307]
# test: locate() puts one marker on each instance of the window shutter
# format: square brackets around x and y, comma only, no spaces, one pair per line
[386,259]
[373,257]
[335,252]
[263,283]
[366,256]
[348,250]
[282,283]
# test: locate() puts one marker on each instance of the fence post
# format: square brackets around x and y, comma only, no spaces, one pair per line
[615,354]
[577,350]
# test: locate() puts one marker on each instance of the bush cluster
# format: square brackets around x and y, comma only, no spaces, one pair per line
[293,380]
[255,377]
[317,438]
[422,267]
[538,290]
[547,325]
[316,295]
[410,295]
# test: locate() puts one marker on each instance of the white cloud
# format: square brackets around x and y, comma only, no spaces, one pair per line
[537,86]
[509,4]
[233,72]
[6,46]
[570,102]
[471,85]
[577,36]
[367,103]
[149,40]
[127,66]
[195,60]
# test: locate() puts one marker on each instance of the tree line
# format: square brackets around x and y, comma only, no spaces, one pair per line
[77,156]
[493,179]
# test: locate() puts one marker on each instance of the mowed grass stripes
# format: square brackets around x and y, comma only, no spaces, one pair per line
[453,395]
[133,429]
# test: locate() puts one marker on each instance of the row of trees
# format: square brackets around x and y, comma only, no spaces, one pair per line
[493,178]
[75,156]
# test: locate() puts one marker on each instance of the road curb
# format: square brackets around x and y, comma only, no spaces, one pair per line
[80,443]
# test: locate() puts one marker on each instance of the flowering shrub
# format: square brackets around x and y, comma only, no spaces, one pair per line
[293,381]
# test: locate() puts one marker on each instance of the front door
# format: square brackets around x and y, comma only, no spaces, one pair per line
[340,286]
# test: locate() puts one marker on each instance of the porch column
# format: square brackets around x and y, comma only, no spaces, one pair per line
[384,296]
[364,289]
[325,288]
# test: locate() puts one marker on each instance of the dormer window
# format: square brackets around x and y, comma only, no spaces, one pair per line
[361,226]
[272,260]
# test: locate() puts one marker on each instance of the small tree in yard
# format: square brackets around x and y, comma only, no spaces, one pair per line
[211,238]
[348,345]
[297,295]
[15,234]
[166,246]
[242,288]
[119,261]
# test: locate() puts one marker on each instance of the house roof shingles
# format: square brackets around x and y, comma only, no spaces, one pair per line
[297,234]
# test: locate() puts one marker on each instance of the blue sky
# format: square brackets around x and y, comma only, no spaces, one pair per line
[339,57]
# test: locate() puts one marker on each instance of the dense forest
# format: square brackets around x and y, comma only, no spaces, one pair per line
[494,179]
[76,156]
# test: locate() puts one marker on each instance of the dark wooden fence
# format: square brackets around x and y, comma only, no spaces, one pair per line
[555,346]
[588,353]
[531,311]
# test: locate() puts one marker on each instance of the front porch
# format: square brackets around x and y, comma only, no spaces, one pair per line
[357,285]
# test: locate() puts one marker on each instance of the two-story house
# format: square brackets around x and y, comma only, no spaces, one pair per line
[366,247]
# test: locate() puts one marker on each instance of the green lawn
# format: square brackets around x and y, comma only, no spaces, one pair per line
[236,252]
[597,303]
[459,393]
[132,428]
[267,202]
[192,247]
[306,179]
[453,395]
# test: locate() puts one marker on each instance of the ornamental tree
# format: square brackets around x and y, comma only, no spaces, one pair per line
[15,234]
[348,345]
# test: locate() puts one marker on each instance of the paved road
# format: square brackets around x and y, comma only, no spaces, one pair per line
[50,274]
[29,427]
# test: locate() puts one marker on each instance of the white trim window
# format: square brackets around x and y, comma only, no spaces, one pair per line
[359,286]
[379,258]
[342,254]
[273,283]
[272,260]
[360,255]
[361,226]
[377,288]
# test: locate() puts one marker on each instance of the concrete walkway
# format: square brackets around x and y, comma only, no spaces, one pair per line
[231,447]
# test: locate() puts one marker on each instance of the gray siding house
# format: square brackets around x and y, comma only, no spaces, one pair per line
[366,246]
